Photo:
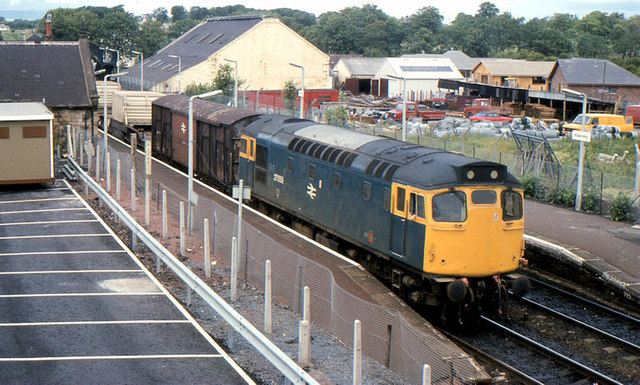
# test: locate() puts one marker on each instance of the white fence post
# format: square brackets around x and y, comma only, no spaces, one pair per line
[304,343]
[357,353]
[207,250]
[426,375]
[234,269]
[98,163]
[183,247]
[118,182]
[147,202]
[165,227]
[108,170]
[133,190]
[306,304]
[267,297]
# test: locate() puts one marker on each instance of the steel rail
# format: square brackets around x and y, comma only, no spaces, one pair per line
[292,371]
[575,365]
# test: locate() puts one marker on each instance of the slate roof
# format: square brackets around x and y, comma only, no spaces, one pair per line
[193,47]
[590,71]
[518,67]
[53,72]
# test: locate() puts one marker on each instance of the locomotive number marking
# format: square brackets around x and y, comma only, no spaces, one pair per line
[278,178]
[311,191]
[496,216]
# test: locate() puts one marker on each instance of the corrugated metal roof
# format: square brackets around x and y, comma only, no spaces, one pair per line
[362,66]
[11,112]
[204,110]
[194,47]
[424,68]
[519,68]
[590,72]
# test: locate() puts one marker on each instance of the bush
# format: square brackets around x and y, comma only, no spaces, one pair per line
[591,202]
[532,186]
[562,197]
[620,208]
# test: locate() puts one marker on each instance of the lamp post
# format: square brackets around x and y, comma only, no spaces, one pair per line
[301,94]
[404,105]
[190,156]
[581,156]
[141,69]
[179,69]
[235,82]
[117,57]
[104,112]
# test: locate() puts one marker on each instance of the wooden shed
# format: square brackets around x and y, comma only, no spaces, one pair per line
[26,143]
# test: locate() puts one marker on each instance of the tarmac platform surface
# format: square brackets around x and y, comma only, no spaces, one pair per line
[77,307]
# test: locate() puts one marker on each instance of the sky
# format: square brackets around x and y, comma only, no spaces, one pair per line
[449,9]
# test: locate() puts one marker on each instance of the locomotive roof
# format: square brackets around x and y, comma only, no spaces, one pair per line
[379,156]
[204,110]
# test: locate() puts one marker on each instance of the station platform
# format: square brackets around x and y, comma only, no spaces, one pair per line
[591,243]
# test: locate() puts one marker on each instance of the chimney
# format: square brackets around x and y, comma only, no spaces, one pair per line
[49,33]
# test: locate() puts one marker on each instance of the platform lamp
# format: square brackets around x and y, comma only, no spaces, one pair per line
[404,105]
[301,94]
[567,91]
[179,69]
[190,156]
[141,69]
[105,129]
[235,82]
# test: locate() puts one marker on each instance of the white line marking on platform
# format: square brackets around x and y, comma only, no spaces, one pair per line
[56,236]
[68,272]
[41,295]
[80,323]
[48,222]
[39,200]
[87,358]
[42,211]
[61,252]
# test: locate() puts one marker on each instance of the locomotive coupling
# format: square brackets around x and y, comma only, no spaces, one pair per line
[457,290]
[520,286]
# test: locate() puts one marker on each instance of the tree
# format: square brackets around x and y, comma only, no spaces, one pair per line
[178,12]
[160,15]
[224,80]
[199,13]
[178,28]
[151,38]
[289,93]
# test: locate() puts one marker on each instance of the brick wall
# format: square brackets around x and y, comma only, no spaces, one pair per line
[629,93]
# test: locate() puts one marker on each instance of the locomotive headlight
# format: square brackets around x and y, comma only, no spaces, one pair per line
[494,174]
[470,174]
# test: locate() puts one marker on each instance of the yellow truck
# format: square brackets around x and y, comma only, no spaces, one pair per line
[624,123]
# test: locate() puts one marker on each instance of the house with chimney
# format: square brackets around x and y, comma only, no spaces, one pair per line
[58,74]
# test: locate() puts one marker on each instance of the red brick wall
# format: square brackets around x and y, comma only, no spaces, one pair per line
[630,93]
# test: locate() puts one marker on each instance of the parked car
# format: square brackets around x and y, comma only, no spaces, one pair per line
[416,111]
[489,116]
[483,104]
[634,112]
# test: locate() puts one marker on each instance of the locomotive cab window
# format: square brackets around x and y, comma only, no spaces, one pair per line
[484,197]
[416,206]
[511,205]
[247,147]
[450,206]
[399,201]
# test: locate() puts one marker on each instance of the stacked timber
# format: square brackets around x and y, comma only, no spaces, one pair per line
[542,112]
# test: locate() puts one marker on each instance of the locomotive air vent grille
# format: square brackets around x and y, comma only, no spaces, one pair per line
[392,170]
[292,144]
[312,149]
[305,146]
[292,120]
[326,153]
[334,155]
[350,159]
[299,145]
[342,158]
[319,150]
[380,170]
[371,166]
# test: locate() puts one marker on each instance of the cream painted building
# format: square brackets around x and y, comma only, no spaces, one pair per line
[262,46]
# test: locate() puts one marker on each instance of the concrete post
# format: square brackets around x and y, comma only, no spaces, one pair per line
[207,250]
[267,297]
[69,142]
[133,190]
[183,247]
[234,269]
[357,353]
[108,171]
[637,184]
[165,228]
[118,183]
[304,344]
[426,375]
[81,153]
[147,178]
[306,304]
[147,202]
[98,163]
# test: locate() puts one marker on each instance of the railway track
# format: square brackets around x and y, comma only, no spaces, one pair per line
[554,336]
